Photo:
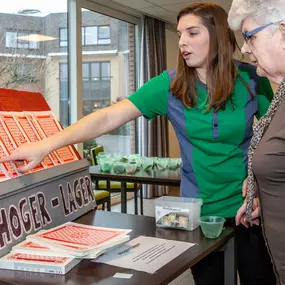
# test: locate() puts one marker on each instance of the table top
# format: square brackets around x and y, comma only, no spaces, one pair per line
[166,177]
[89,273]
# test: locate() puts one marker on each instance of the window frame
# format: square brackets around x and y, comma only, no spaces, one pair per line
[98,38]
[18,41]
[84,37]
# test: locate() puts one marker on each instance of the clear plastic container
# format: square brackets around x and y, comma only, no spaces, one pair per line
[212,226]
[178,212]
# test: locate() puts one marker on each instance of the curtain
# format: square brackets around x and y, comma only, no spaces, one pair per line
[153,135]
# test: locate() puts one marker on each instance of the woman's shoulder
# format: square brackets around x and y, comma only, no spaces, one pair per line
[247,70]
[245,66]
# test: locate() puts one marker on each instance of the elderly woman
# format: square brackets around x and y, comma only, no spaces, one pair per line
[262,23]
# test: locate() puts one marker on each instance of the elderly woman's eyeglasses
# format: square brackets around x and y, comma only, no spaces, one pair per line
[247,35]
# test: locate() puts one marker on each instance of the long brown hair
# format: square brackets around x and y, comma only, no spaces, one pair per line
[221,71]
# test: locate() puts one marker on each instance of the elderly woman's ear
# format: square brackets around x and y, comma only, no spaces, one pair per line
[282,30]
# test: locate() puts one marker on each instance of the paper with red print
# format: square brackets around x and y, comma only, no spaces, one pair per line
[31,133]
[53,155]
[30,247]
[38,263]
[15,132]
[50,126]
[6,148]
[8,169]
[38,258]
[84,236]
[12,129]
[3,176]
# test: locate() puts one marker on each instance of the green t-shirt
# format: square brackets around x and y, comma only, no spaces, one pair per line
[213,145]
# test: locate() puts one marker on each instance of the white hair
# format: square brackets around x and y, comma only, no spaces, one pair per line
[261,11]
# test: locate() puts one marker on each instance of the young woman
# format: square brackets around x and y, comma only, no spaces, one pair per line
[211,101]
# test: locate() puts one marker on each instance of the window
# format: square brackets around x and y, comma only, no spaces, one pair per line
[93,35]
[13,40]
[108,74]
[89,36]
[104,35]
[96,86]
[63,37]
[63,94]
[96,35]
[23,72]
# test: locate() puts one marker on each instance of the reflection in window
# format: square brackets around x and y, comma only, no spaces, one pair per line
[96,86]
[63,42]
[13,40]
[23,72]
[63,93]
[108,74]
[93,35]
[104,35]
[89,36]
[30,56]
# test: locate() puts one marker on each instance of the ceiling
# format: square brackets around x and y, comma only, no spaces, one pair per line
[165,9]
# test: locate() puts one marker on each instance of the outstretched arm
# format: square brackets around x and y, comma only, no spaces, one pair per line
[89,127]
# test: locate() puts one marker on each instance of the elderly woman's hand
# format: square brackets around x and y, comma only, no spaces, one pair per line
[244,187]
[241,217]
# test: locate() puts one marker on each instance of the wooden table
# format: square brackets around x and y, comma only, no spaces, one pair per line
[165,178]
[91,273]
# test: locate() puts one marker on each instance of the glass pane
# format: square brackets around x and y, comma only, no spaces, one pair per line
[63,70]
[104,32]
[95,70]
[85,71]
[112,75]
[22,43]
[36,68]
[63,34]
[106,70]
[91,36]
[64,103]
[34,45]
[63,37]
[86,91]
[104,41]
[11,39]
[83,35]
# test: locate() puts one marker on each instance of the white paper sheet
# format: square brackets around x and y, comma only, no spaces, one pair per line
[146,254]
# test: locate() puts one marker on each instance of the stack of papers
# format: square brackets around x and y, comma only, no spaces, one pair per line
[59,249]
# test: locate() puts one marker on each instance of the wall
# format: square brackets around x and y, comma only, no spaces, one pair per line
[171,57]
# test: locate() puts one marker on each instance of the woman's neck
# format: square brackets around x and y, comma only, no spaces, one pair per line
[202,74]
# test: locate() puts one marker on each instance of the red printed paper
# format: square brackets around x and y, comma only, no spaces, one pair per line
[9,169]
[31,134]
[15,132]
[40,258]
[81,235]
[50,126]
[54,157]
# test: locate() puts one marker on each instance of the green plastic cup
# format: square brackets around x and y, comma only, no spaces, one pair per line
[212,226]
